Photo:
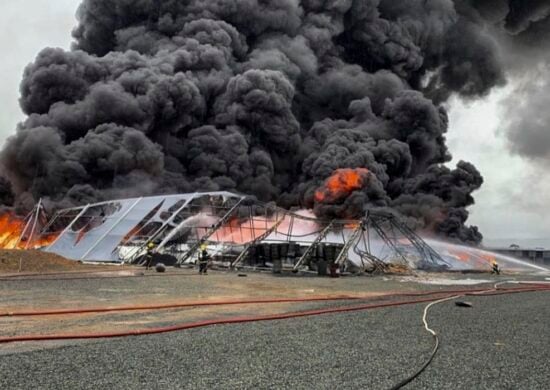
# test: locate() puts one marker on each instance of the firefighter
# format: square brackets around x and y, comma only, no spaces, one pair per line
[334,268]
[149,254]
[204,257]
[495,268]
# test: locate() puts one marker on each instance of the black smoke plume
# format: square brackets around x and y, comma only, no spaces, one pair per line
[267,98]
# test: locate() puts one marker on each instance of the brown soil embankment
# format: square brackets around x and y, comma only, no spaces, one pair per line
[32,261]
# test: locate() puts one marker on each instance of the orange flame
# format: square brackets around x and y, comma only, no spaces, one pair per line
[342,183]
[238,231]
[460,255]
[471,257]
[11,234]
[489,258]
[242,232]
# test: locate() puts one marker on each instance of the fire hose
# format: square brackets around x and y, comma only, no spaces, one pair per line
[50,277]
[229,302]
[257,318]
[172,306]
[534,287]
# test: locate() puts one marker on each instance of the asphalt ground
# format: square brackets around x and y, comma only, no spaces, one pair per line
[502,342]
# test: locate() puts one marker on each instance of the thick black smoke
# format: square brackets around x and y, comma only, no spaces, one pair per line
[267,98]
[6,193]
[522,28]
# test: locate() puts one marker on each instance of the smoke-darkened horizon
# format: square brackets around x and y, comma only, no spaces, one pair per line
[270,99]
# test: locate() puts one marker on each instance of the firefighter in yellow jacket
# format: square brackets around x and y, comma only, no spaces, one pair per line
[204,258]
[149,255]
[495,268]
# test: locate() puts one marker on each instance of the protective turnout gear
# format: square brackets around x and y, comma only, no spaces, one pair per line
[204,257]
[149,255]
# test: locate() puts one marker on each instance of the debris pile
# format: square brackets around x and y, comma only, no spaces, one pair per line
[12,261]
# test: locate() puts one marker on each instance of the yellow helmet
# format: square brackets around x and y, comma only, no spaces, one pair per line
[150,245]
[204,247]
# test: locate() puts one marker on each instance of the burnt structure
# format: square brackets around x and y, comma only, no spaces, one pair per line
[238,231]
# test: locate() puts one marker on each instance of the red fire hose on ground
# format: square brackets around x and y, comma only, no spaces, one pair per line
[179,305]
[172,306]
[436,295]
[107,275]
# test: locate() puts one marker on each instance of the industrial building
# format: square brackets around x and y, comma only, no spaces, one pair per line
[238,230]
[538,256]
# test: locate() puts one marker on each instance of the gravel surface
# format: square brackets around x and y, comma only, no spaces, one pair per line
[185,284]
[500,343]
[85,291]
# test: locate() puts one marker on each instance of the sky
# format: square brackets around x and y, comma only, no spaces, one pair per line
[510,206]
[27,29]
[512,203]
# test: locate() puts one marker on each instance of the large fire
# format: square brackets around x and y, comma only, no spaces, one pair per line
[12,228]
[341,184]
[472,256]
[241,232]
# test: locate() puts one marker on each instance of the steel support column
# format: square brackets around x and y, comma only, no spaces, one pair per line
[313,245]
[345,250]
[210,232]
[243,254]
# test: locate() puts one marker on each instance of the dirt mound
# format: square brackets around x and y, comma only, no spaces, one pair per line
[13,261]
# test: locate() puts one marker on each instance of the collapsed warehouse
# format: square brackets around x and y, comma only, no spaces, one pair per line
[239,232]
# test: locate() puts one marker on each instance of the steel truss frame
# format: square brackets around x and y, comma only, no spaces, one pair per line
[259,223]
